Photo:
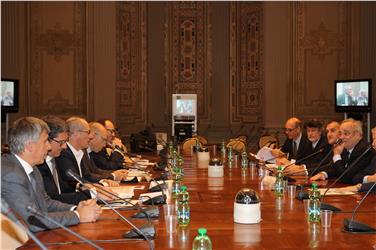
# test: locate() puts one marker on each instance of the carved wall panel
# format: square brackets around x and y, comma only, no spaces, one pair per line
[131,65]
[188,54]
[57,58]
[246,65]
[322,52]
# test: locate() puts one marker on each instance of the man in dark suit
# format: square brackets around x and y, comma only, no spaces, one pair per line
[318,149]
[346,153]
[58,137]
[347,98]
[297,145]
[22,186]
[76,158]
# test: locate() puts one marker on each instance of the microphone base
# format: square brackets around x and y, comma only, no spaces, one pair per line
[153,213]
[157,188]
[357,227]
[148,229]
[158,200]
[325,206]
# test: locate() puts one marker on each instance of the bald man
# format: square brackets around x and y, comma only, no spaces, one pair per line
[297,145]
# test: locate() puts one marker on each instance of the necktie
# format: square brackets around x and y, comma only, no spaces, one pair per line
[294,150]
[33,181]
[54,175]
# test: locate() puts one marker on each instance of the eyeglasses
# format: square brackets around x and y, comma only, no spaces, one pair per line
[289,129]
[84,131]
[111,130]
[61,142]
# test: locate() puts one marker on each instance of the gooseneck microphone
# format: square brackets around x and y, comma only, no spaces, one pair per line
[302,195]
[330,207]
[147,231]
[352,226]
[5,209]
[305,158]
[45,216]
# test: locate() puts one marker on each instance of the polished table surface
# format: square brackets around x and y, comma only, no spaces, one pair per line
[284,223]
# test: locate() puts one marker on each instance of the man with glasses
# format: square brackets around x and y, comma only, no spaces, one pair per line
[297,145]
[346,153]
[96,144]
[75,157]
[22,185]
[58,137]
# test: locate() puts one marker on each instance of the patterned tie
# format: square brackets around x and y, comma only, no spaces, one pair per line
[54,175]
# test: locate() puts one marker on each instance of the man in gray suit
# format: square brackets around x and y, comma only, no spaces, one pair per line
[21,186]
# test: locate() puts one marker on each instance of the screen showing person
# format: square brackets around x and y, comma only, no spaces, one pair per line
[352,93]
[184,106]
[7,93]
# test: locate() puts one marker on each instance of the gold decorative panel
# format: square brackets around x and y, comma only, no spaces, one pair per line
[57,58]
[131,65]
[188,54]
[322,53]
[246,63]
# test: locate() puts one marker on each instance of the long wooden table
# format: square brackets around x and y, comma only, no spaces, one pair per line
[283,225]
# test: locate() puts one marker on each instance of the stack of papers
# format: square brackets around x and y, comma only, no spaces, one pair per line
[336,191]
[265,154]
[123,191]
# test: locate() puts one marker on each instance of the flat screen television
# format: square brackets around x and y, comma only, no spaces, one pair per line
[184,104]
[353,95]
[9,95]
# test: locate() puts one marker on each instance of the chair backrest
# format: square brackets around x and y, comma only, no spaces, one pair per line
[268,140]
[12,235]
[237,144]
[202,140]
[188,144]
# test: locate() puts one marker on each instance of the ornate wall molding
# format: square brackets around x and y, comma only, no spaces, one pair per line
[322,51]
[247,65]
[57,59]
[188,40]
[131,64]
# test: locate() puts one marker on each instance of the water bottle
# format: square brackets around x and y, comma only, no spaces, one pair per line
[197,146]
[183,207]
[229,157]
[278,186]
[202,241]
[175,189]
[314,204]
[223,150]
[244,162]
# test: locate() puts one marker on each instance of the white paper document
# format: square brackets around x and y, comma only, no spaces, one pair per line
[124,191]
[265,154]
[336,191]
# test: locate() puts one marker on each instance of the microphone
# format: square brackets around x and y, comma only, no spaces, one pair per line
[147,212]
[302,195]
[333,208]
[305,158]
[147,231]
[45,216]
[5,209]
[352,226]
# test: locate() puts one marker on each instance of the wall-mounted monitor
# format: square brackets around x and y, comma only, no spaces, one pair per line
[353,95]
[184,104]
[9,95]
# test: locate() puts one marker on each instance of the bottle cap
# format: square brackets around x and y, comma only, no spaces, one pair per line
[314,185]
[279,168]
[202,231]
[183,188]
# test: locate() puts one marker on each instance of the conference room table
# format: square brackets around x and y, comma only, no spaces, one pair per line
[284,223]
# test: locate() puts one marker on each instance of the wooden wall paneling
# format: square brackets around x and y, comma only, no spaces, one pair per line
[322,52]
[247,68]
[188,55]
[57,59]
[131,66]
